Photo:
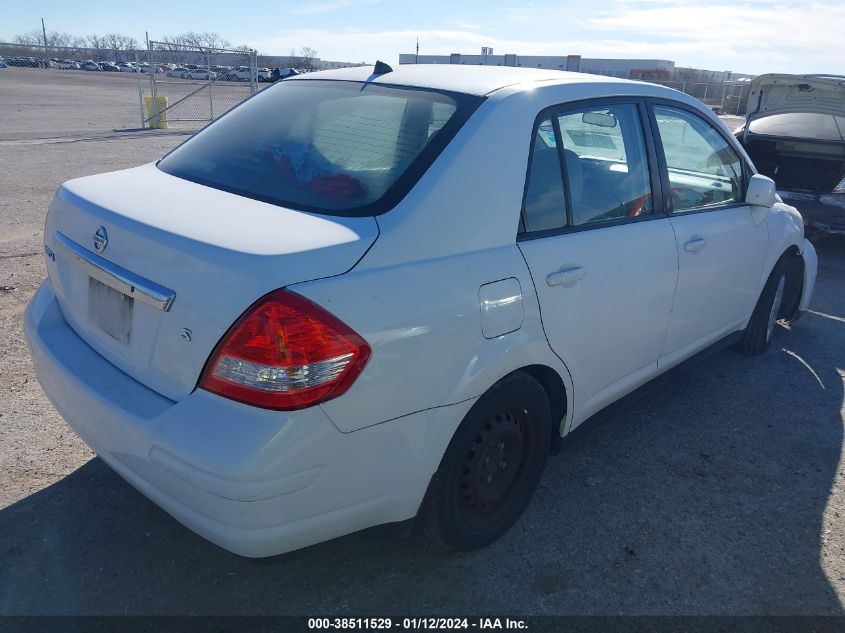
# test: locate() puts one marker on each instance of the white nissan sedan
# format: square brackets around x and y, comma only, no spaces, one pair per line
[372,296]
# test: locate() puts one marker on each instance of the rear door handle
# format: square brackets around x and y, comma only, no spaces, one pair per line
[566,277]
[695,245]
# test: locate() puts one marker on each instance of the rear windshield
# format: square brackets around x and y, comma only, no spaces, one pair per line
[805,125]
[334,147]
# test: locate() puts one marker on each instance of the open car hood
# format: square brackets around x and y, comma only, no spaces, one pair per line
[775,93]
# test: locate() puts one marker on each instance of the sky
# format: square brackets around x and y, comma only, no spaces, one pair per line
[754,36]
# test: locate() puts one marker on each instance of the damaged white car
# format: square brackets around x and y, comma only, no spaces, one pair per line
[371,296]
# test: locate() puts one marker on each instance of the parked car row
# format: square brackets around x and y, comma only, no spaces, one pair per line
[169,69]
[28,62]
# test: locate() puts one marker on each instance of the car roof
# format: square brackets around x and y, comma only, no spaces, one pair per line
[475,80]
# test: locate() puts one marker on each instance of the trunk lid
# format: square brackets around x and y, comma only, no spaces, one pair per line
[777,93]
[148,234]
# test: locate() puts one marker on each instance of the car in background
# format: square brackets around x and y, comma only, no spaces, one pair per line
[3,63]
[200,73]
[108,67]
[177,72]
[370,296]
[24,62]
[241,73]
[282,73]
[147,68]
[67,64]
[128,67]
[90,64]
[264,74]
[795,134]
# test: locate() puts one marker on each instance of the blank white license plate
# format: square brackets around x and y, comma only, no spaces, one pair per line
[110,310]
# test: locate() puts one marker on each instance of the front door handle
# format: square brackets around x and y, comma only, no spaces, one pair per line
[695,245]
[566,277]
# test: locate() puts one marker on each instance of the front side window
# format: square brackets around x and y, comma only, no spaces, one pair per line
[333,147]
[704,170]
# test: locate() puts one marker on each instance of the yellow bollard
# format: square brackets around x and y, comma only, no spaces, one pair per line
[156,112]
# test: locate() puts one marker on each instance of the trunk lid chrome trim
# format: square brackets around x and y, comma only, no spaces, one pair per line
[116,277]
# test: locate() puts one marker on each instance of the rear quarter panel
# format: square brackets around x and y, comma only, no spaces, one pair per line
[423,322]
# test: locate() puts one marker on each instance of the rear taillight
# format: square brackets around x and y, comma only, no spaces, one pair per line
[285,353]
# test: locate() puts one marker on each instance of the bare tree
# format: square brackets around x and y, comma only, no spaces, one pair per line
[120,42]
[96,42]
[308,55]
[204,40]
[54,39]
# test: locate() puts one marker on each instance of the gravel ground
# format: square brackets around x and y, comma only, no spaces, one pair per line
[721,494]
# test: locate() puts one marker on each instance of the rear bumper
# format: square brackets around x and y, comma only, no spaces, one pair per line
[253,481]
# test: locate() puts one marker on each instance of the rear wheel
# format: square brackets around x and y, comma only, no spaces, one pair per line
[492,465]
[758,335]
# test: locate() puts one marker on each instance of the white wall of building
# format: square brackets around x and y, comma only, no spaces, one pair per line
[612,67]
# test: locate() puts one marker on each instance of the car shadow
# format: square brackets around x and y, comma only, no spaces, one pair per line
[710,498]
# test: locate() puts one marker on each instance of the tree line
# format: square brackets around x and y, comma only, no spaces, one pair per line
[176,45]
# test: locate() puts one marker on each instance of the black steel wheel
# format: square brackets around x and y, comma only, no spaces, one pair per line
[492,465]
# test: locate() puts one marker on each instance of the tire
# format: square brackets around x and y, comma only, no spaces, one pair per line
[492,465]
[758,335]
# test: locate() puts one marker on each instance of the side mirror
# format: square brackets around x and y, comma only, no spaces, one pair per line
[761,191]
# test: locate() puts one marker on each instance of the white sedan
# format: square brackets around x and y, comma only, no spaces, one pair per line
[200,73]
[391,301]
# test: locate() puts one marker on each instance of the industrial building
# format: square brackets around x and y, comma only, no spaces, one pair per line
[626,68]
[642,69]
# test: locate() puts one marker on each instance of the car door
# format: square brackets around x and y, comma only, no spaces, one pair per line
[602,256]
[722,242]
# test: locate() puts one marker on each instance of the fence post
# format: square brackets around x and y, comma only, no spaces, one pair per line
[253,71]
[140,91]
[208,79]
[153,90]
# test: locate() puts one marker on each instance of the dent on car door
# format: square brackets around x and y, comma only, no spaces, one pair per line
[721,244]
[603,262]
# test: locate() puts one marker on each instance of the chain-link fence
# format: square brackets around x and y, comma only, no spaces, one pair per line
[725,97]
[64,91]
[50,91]
[191,85]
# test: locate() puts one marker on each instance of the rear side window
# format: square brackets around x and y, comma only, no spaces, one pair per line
[606,169]
[704,170]
[545,203]
[334,147]
[606,164]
